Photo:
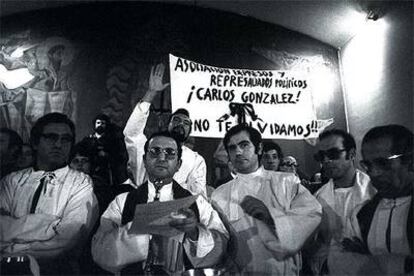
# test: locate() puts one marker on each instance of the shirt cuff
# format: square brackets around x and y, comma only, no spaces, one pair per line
[202,246]
[144,107]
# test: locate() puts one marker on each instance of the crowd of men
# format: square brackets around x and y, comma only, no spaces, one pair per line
[260,221]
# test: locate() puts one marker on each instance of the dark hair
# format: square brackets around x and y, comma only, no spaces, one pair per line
[255,136]
[14,139]
[164,134]
[401,137]
[270,145]
[55,117]
[102,117]
[348,142]
[82,150]
[182,111]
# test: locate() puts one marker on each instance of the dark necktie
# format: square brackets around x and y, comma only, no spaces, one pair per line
[155,254]
[46,178]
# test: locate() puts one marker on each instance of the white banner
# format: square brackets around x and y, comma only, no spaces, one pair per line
[277,103]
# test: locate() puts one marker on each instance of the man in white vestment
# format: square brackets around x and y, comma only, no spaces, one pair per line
[347,188]
[47,211]
[193,171]
[270,213]
[202,238]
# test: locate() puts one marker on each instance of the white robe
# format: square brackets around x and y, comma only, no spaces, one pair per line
[66,211]
[338,205]
[113,248]
[295,212]
[193,171]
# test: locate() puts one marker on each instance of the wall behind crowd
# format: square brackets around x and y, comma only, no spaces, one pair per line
[91,58]
[377,67]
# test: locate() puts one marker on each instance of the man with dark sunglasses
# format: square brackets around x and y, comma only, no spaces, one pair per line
[202,240]
[382,240]
[48,210]
[193,171]
[347,187]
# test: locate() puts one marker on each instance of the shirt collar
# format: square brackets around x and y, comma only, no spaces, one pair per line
[165,191]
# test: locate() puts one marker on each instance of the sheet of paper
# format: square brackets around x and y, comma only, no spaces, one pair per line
[154,217]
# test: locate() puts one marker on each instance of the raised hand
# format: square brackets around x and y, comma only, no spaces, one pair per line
[257,209]
[155,79]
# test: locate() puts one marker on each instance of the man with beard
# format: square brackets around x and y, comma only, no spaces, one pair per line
[192,173]
[48,210]
[347,187]
[108,153]
[382,241]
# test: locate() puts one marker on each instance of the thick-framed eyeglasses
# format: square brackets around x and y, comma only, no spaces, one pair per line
[332,154]
[289,164]
[381,163]
[169,153]
[52,138]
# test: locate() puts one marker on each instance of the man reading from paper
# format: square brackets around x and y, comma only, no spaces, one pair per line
[202,238]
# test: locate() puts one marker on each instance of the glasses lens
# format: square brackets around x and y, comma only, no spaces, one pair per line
[169,152]
[332,154]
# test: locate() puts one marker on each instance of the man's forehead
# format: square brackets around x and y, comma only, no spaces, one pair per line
[271,151]
[240,137]
[331,142]
[381,147]
[163,142]
[59,128]
[181,116]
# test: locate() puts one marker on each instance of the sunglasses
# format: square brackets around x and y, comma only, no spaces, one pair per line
[381,163]
[169,153]
[332,154]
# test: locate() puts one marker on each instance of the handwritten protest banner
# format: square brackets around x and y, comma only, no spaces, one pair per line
[277,103]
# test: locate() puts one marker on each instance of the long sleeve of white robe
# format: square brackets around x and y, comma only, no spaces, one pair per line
[113,248]
[65,213]
[295,212]
[193,171]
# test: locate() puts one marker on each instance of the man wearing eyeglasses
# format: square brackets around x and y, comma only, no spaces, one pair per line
[203,238]
[193,171]
[382,241]
[347,187]
[47,211]
[271,213]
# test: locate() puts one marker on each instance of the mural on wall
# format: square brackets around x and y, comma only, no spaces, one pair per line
[34,80]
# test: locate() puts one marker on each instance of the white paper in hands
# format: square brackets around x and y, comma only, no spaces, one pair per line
[154,217]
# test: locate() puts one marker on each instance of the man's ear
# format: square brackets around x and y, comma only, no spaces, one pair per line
[259,149]
[179,162]
[351,154]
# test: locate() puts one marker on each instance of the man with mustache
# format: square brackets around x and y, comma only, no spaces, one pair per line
[382,238]
[193,171]
[108,153]
[48,210]
[201,239]
[347,187]
[271,214]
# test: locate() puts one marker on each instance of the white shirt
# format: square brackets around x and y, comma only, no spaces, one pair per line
[113,248]
[338,205]
[193,171]
[295,212]
[66,211]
